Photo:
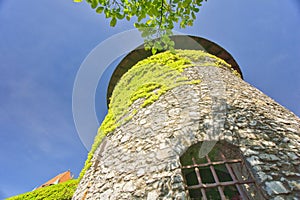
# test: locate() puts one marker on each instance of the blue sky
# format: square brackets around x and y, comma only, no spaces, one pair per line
[43,44]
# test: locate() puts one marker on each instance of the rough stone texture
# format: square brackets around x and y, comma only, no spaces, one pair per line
[140,159]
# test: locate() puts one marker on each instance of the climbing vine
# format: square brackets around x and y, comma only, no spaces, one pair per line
[62,191]
[147,81]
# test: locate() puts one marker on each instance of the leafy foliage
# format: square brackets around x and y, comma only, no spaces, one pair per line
[154,18]
[61,191]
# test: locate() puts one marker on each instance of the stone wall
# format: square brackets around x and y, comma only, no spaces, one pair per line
[140,159]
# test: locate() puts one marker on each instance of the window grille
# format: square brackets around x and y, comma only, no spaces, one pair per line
[222,174]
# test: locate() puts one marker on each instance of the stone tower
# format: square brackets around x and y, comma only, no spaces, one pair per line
[186,126]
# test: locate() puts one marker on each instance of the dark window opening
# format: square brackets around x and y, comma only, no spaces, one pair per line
[222,174]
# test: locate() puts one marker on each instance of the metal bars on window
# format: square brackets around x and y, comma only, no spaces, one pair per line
[224,178]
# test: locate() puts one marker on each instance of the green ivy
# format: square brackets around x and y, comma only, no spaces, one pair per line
[147,81]
[61,191]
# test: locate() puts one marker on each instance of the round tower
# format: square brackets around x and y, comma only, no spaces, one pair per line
[186,126]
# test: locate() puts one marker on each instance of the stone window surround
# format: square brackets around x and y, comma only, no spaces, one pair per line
[241,176]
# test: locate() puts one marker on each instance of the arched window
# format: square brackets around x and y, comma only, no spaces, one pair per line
[222,174]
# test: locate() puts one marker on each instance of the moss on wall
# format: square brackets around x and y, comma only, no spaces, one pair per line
[61,191]
[147,81]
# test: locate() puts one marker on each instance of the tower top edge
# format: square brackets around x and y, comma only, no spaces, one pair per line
[185,42]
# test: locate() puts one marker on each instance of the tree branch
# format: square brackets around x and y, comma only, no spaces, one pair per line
[161,12]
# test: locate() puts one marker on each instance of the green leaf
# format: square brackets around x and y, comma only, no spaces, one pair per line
[149,21]
[153,50]
[113,22]
[147,46]
[165,39]
[196,9]
[140,17]
[180,4]
[134,10]
[77,1]
[193,15]
[182,24]
[198,2]
[120,16]
[190,23]
[94,4]
[172,43]
[107,13]
[158,46]
[170,26]
[99,10]
[186,4]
